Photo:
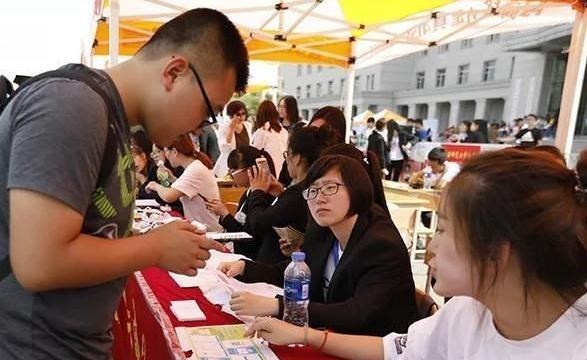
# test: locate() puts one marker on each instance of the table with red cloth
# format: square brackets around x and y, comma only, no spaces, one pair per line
[143,325]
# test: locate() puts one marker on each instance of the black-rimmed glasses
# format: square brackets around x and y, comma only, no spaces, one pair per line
[327,190]
[211,115]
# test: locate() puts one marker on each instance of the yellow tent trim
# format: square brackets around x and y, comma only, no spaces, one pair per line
[262,46]
[361,12]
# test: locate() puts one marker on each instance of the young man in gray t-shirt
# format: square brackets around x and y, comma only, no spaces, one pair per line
[68,239]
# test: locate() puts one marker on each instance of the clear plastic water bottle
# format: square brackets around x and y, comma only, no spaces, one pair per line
[428,180]
[296,288]
[162,175]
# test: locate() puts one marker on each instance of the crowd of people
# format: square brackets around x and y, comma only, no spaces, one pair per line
[510,248]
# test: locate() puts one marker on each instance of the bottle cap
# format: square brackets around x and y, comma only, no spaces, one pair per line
[298,256]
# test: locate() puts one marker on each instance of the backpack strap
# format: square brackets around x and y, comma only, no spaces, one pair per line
[108,157]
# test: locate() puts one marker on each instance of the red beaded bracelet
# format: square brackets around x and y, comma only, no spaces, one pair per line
[323,341]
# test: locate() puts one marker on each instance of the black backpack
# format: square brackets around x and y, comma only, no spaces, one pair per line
[7,93]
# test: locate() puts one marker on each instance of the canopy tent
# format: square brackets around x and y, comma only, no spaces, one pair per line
[387,115]
[345,33]
[362,117]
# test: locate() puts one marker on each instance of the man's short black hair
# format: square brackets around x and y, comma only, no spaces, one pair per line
[437,154]
[207,38]
[370,120]
[419,122]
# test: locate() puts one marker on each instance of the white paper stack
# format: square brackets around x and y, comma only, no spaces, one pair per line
[187,310]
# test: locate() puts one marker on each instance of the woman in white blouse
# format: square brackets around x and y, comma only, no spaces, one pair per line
[194,187]
[231,134]
[516,266]
[269,134]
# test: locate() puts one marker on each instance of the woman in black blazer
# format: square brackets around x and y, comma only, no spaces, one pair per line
[289,208]
[239,161]
[361,276]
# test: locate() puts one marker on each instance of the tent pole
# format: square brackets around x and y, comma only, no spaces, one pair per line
[348,107]
[113,24]
[573,85]
[350,83]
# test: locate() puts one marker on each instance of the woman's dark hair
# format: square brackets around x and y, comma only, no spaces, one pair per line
[291,104]
[551,149]
[437,154]
[392,126]
[267,113]
[309,142]
[234,107]
[244,157]
[467,124]
[353,175]
[370,164]
[531,201]
[140,139]
[482,127]
[137,150]
[333,117]
[184,146]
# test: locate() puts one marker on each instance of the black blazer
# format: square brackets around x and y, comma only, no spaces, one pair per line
[250,248]
[290,209]
[377,144]
[372,289]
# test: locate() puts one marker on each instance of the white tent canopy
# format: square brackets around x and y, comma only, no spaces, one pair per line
[376,31]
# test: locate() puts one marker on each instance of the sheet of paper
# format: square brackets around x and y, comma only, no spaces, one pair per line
[146,202]
[222,342]
[187,310]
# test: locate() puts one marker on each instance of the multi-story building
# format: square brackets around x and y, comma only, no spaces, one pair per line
[495,77]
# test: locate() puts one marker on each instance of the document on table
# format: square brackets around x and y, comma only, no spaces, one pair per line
[226,342]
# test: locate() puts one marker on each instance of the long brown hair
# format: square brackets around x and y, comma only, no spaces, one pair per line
[267,113]
[185,146]
[530,200]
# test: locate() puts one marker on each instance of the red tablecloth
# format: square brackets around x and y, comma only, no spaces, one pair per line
[143,326]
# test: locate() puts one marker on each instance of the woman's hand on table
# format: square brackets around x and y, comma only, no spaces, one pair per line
[152,186]
[245,303]
[288,247]
[232,268]
[217,207]
[276,331]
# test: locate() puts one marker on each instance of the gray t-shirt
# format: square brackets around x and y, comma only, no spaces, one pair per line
[52,137]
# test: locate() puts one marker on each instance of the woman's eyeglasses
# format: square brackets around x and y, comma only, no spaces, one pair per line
[327,190]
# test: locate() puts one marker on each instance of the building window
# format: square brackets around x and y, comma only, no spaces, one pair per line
[424,53]
[357,82]
[299,70]
[372,83]
[330,87]
[440,77]
[319,68]
[489,70]
[308,91]
[318,89]
[298,92]
[463,74]
[342,86]
[309,69]
[466,44]
[493,38]
[420,80]
[443,48]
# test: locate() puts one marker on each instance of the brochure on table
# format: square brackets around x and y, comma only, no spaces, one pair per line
[226,342]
